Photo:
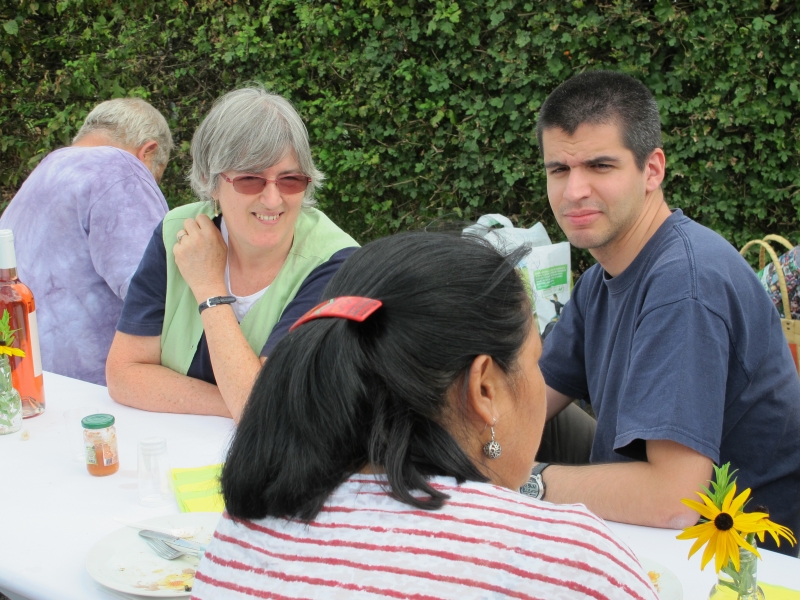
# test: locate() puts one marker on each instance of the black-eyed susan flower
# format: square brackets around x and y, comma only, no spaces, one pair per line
[776,531]
[722,532]
[11,351]
[725,527]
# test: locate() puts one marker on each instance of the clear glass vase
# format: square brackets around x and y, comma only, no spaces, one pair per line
[10,402]
[742,585]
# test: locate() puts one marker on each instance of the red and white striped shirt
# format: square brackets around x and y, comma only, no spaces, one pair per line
[486,542]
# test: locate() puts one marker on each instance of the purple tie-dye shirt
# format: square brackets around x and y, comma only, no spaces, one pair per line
[81,222]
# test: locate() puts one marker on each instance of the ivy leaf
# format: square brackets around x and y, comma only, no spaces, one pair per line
[11,27]
[427,110]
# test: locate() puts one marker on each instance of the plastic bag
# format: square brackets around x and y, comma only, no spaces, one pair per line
[545,270]
[551,280]
[509,238]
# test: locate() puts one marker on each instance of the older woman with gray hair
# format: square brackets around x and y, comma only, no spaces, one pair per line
[223,279]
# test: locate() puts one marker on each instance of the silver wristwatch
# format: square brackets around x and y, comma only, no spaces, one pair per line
[535,486]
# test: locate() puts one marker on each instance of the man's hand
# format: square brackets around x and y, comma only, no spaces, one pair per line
[201,256]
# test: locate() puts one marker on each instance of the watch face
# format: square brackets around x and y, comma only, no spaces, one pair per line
[533,488]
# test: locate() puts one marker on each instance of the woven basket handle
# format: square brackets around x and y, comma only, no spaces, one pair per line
[778,269]
[772,238]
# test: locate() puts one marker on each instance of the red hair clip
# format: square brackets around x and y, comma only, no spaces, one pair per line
[353,308]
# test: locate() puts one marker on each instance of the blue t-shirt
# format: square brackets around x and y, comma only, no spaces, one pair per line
[685,345]
[143,311]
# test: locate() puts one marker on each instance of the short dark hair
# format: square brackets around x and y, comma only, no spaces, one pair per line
[605,97]
[337,395]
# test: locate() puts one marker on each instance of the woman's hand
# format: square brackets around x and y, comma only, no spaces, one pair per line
[201,256]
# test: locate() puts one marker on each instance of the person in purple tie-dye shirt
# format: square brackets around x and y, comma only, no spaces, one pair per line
[81,222]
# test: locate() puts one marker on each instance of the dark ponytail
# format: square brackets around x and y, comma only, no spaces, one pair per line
[336,395]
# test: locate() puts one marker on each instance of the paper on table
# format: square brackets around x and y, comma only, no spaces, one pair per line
[776,592]
[198,489]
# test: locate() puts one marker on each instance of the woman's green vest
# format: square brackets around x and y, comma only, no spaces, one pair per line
[316,239]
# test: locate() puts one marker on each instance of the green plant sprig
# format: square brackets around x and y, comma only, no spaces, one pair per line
[6,333]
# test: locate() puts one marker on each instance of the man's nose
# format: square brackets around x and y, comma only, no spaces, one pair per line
[577,187]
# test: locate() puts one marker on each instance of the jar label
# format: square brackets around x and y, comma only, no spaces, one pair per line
[106,456]
[100,454]
[91,455]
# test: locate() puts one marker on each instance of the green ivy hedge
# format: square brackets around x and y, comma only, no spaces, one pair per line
[425,111]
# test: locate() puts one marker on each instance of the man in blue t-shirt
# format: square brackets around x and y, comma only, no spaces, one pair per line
[670,337]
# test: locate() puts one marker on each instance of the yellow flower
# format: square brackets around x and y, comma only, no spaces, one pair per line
[722,532]
[11,351]
[725,527]
[775,530]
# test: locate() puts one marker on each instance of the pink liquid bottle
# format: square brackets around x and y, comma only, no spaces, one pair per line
[26,372]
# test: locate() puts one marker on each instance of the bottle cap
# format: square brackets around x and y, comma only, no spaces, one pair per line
[8,259]
[100,421]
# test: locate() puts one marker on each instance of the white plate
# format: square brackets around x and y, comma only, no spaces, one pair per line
[664,580]
[124,562]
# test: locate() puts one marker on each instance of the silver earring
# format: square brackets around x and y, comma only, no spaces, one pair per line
[492,448]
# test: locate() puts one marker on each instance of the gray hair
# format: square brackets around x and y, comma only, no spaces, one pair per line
[249,130]
[130,122]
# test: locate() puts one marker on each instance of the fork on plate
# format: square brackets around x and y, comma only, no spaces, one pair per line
[163,549]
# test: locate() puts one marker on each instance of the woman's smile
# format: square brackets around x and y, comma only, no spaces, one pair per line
[268,219]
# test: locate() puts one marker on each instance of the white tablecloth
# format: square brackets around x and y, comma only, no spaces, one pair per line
[52,511]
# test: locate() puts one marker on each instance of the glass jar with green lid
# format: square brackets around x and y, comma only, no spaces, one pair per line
[100,440]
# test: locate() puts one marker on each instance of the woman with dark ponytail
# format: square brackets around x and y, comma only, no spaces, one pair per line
[384,442]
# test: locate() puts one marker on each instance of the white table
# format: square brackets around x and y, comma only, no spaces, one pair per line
[52,511]
[661,546]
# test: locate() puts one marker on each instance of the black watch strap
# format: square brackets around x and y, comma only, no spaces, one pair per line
[216,301]
[537,470]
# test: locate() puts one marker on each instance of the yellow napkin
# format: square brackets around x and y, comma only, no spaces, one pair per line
[776,592]
[198,490]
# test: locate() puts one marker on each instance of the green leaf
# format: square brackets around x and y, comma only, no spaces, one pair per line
[6,333]
[439,123]
[11,27]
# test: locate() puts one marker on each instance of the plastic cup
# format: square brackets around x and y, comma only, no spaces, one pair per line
[75,449]
[154,472]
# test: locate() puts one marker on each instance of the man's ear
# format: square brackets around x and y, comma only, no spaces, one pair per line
[655,169]
[484,389]
[146,152]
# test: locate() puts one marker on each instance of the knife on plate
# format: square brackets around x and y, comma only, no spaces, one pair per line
[174,542]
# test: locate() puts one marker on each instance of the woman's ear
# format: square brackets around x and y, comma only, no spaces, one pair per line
[486,383]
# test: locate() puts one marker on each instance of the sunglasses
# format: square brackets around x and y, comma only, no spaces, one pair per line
[253,184]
